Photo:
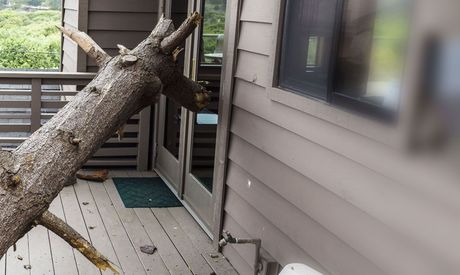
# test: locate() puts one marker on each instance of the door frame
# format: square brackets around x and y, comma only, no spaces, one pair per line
[165,164]
[231,31]
[231,35]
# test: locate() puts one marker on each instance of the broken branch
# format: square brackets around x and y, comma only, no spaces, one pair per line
[68,234]
[99,176]
[190,94]
[88,45]
[172,41]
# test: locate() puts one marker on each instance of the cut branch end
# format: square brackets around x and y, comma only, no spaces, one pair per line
[178,37]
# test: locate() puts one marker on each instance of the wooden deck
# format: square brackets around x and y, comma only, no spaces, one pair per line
[96,211]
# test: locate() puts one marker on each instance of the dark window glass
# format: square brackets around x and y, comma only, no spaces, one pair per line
[365,41]
[307,42]
[369,61]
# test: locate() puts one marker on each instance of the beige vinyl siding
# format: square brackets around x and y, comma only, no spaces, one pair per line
[69,48]
[120,22]
[108,22]
[318,193]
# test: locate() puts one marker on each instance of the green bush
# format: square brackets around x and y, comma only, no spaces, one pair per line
[213,24]
[29,40]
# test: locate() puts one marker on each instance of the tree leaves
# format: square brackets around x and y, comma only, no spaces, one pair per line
[29,40]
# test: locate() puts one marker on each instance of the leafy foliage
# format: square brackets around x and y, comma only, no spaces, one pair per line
[29,40]
[52,4]
[213,23]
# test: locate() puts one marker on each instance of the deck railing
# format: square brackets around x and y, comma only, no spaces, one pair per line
[29,99]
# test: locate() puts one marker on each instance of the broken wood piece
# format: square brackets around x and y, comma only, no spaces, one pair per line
[120,132]
[87,44]
[128,60]
[75,141]
[98,176]
[168,44]
[176,53]
[68,234]
[122,49]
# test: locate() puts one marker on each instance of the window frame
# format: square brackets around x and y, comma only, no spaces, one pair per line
[333,96]
[331,60]
[395,135]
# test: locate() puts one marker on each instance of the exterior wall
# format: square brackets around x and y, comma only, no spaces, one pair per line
[109,23]
[69,48]
[319,189]
[120,22]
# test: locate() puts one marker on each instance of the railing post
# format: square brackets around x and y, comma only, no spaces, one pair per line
[36,104]
[143,139]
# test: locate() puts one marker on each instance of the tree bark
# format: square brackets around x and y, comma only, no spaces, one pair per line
[33,174]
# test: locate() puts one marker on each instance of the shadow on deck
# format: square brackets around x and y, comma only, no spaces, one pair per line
[96,211]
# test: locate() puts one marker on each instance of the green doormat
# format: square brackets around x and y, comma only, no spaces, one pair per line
[145,193]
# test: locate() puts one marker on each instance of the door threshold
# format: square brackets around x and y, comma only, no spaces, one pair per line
[185,204]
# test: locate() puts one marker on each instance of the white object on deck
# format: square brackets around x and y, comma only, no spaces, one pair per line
[298,269]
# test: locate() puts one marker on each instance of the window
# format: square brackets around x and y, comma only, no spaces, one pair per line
[212,42]
[346,52]
[307,45]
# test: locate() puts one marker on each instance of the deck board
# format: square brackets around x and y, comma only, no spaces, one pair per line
[75,219]
[98,233]
[15,265]
[153,264]
[62,254]
[3,265]
[127,256]
[97,212]
[187,250]
[201,241]
[40,251]
[168,252]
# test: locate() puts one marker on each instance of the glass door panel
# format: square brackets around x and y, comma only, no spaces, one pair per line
[171,135]
[202,129]
[171,129]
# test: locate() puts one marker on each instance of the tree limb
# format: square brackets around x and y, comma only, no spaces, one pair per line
[188,93]
[34,173]
[88,45]
[171,42]
[67,233]
[175,85]
[164,28]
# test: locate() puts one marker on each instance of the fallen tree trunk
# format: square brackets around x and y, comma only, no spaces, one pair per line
[34,173]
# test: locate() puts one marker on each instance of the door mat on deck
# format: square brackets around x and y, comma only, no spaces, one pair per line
[145,193]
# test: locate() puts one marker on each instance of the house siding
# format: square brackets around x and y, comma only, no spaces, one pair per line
[120,22]
[109,23]
[69,48]
[320,194]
